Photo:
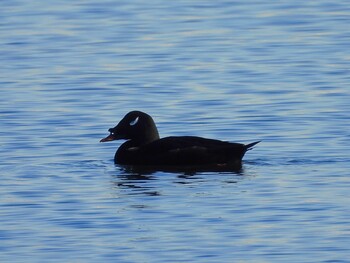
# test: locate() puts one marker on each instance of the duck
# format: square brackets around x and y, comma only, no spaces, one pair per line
[144,147]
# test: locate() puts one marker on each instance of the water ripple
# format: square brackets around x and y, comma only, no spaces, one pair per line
[275,71]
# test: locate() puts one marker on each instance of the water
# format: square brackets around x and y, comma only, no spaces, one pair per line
[240,71]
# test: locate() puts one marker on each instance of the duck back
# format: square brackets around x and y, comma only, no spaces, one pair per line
[184,150]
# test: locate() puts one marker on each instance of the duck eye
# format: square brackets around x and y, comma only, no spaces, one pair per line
[134,122]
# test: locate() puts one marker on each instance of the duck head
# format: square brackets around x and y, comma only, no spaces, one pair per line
[136,126]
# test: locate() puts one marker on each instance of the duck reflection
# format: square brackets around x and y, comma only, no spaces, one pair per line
[145,180]
[135,183]
[182,170]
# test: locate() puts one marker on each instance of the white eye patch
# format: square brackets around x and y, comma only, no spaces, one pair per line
[134,122]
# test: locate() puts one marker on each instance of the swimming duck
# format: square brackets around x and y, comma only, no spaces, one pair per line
[144,146]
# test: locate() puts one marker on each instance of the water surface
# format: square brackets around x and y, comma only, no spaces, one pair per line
[239,71]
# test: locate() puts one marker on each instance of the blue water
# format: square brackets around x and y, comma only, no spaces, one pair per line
[276,71]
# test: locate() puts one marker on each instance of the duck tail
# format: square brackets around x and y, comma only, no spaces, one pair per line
[250,145]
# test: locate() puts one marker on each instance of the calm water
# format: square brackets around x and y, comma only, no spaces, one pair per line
[276,71]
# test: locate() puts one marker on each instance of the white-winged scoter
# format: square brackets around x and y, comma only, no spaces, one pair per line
[144,147]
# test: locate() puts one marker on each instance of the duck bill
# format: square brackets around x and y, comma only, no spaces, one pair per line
[109,138]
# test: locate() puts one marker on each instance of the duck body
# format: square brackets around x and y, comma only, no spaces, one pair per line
[144,147]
